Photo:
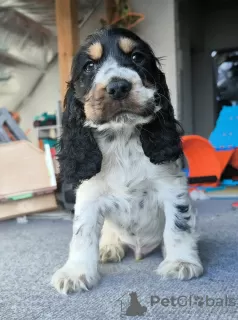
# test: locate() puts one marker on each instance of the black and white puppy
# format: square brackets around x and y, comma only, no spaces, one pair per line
[121,148]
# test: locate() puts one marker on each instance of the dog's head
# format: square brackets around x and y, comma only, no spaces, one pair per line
[116,81]
[115,77]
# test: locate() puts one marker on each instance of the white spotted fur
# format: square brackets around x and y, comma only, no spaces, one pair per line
[127,177]
[109,217]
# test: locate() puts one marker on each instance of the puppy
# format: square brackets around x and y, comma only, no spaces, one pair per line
[121,149]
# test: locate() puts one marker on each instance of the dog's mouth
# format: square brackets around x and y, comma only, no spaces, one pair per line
[128,115]
[123,111]
[123,115]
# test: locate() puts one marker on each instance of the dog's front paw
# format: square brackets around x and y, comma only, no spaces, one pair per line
[179,269]
[111,253]
[71,278]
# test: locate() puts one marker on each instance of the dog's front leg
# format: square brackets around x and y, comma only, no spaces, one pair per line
[180,241]
[80,272]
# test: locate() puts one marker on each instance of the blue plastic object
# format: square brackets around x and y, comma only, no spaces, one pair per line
[186,171]
[225,134]
[229,182]
[6,119]
[211,189]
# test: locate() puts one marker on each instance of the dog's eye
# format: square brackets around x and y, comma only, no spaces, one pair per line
[89,67]
[137,57]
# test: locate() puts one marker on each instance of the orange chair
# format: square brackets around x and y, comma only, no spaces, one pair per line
[205,166]
[234,159]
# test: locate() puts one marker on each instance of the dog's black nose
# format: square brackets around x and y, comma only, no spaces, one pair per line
[119,89]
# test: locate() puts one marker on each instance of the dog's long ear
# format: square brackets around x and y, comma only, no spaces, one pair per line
[79,155]
[161,138]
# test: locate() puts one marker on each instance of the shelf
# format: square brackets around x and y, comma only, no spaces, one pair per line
[47,127]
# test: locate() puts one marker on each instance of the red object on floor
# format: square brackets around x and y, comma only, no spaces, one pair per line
[53,152]
[235,205]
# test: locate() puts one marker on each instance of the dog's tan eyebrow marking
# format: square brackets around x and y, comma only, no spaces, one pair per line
[126,44]
[95,51]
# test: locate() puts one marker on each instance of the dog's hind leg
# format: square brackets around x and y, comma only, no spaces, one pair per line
[111,247]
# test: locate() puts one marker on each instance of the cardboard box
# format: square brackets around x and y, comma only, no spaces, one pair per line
[12,209]
[27,179]
[25,169]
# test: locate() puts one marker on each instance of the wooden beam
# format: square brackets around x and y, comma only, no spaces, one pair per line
[68,38]
[109,10]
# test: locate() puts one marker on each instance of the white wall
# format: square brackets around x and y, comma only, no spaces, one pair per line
[44,99]
[185,69]
[158,29]
[20,84]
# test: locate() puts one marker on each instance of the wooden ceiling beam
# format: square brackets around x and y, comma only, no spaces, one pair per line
[68,38]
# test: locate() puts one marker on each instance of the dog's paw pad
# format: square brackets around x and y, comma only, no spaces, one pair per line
[111,253]
[179,270]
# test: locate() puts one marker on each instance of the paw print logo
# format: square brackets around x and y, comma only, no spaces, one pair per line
[198,301]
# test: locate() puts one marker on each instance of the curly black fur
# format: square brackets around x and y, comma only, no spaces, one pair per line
[161,138]
[79,155]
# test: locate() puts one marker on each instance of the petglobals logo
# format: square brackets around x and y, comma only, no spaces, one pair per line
[132,305]
[193,300]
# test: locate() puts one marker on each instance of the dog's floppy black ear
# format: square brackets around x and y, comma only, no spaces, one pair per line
[79,155]
[161,138]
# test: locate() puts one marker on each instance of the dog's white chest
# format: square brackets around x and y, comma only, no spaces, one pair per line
[125,164]
[140,223]
[132,184]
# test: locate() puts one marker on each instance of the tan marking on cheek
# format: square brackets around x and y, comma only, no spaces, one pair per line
[94,103]
[126,45]
[95,51]
[93,112]
[99,91]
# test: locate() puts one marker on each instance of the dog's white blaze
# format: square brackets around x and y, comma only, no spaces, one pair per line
[110,69]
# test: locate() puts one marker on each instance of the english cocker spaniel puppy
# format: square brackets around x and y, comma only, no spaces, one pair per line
[121,149]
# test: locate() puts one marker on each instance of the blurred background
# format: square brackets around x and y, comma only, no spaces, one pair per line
[197,41]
